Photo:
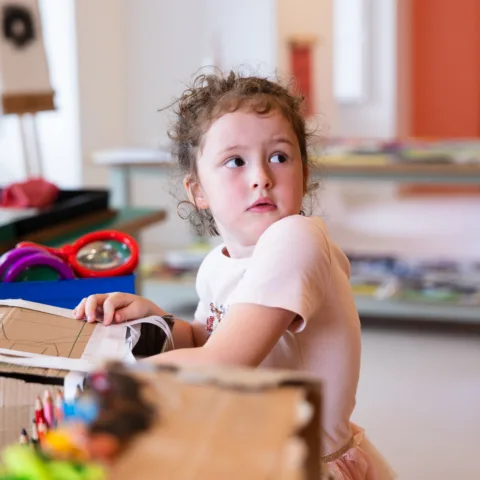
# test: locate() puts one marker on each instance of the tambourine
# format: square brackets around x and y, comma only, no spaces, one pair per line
[106,253]
[15,264]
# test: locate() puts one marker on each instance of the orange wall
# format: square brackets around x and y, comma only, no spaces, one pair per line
[445,73]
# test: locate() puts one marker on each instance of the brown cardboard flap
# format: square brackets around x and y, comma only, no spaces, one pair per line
[238,377]
[33,331]
[211,425]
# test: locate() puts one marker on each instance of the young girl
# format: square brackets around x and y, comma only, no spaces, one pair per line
[276,293]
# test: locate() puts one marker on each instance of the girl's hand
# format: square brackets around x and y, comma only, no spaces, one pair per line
[116,308]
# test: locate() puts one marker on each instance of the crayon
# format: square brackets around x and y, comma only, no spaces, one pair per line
[34,434]
[48,409]
[42,431]
[59,405]
[39,410]
[23,440]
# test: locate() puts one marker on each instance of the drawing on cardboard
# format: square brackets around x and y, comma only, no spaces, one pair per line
[32,331]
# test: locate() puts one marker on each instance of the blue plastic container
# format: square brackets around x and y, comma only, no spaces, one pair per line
[66,293]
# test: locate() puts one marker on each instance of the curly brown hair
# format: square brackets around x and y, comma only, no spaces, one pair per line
[209,97]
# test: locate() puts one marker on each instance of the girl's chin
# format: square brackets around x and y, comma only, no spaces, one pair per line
[261,225]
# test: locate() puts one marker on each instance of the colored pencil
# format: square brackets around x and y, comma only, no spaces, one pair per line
[23,440]
[48,409]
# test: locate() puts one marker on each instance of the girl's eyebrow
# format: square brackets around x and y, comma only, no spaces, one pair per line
[282,140]
[231,147]
[275,140]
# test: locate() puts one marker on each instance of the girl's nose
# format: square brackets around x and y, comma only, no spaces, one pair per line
[262,179]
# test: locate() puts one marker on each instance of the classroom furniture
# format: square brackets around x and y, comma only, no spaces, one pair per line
[128,220]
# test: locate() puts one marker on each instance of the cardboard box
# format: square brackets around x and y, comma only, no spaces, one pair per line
[30,328]
[41,346]
[210,423]
[227,424]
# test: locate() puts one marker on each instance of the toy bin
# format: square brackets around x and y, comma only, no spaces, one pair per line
[66,293]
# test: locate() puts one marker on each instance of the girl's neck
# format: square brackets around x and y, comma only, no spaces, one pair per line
[237,251]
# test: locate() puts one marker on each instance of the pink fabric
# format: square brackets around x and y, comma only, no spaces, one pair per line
[361,462]
[33,193]
[296,266]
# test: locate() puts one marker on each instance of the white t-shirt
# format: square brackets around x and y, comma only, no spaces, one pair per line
[297,267]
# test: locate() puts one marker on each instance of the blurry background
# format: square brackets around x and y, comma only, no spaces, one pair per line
[383,77]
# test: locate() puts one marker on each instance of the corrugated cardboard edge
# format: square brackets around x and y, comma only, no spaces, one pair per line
[232,376]
[40,307]
[307,434]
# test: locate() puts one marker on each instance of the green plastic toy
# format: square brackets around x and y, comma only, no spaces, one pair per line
[20,462]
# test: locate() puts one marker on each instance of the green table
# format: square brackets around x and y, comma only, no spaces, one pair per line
[128,220]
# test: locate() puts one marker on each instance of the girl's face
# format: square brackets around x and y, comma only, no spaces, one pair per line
[250,174]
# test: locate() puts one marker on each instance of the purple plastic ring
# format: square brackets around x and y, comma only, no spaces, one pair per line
[39,259]
[12,256]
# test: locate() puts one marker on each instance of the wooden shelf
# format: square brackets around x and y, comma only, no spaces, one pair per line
[370,307]
[402,172]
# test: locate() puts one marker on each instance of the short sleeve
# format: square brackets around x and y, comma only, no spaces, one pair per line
[201,312]
[202,289]
[289,269]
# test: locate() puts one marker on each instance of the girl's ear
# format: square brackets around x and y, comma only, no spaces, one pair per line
[195,192]
[306,174]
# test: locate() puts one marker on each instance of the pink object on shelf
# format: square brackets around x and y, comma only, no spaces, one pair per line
[33,193]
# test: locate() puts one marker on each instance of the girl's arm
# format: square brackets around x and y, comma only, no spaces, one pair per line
[119,307]
[188,335]
[246,335]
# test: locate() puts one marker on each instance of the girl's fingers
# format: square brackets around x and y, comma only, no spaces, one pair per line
[113,307]
[91,304]
[125,314]
[112,304]
[79,311]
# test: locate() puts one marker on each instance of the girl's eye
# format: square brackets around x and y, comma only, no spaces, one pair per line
[235,162]
[278,158]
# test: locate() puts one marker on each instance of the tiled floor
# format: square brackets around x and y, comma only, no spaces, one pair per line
[419,400]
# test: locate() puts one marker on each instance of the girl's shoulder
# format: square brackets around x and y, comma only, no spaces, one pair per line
[302,242]
[296,230]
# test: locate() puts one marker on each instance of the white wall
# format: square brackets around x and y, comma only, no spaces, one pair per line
[377,117]
[11,160]
[58,130]
[164,46]
[162,50]
[243,33]
[102,87]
